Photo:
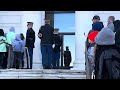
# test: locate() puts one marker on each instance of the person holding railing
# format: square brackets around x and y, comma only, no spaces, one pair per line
[10,36]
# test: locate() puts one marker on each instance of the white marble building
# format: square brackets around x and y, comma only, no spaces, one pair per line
[83,23]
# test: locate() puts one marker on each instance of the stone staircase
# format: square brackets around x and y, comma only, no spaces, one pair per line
[42,74]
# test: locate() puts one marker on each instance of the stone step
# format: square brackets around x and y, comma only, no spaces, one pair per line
[41,74]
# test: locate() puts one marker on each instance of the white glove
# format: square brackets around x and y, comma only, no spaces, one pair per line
[53,45]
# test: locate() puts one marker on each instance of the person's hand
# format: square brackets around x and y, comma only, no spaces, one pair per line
[53,45]
[39,35]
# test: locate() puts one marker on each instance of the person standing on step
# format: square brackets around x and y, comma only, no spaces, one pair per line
[46,35]
[67,57]
[17,45]
[3,49]
[56,48]
[30,40]
[23,49]
[10,36]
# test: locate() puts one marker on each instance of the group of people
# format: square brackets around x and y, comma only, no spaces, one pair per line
[103,49]
[13,47]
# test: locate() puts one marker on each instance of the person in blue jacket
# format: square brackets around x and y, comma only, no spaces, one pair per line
[18,47]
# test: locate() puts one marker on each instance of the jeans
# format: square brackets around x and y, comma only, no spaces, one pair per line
[30,50]
[47,55]
[56,58]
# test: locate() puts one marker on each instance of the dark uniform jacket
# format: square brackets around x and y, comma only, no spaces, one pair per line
[30,38]
[57,42]
[47,34]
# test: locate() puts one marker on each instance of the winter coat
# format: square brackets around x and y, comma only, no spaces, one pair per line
[105,37]
[111,26]
[109,65]
[97,26]
[57,42]
[87,43]
[2,44]
[47,34]
[18,44]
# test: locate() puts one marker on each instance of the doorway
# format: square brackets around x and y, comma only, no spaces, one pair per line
[65,22]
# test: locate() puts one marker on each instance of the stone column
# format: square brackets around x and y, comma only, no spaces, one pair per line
[83,24]
[37,17]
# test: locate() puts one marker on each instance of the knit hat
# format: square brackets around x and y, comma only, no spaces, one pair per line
[96,17]
[105,37]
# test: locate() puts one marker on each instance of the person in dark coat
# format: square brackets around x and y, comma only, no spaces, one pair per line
[117,33]
[30,40]
[116,25]
[56,48]
[46,35]
[97,24]
[107,58]
[67,57]
[109,63]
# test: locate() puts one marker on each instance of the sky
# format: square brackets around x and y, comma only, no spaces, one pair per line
[66,23]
